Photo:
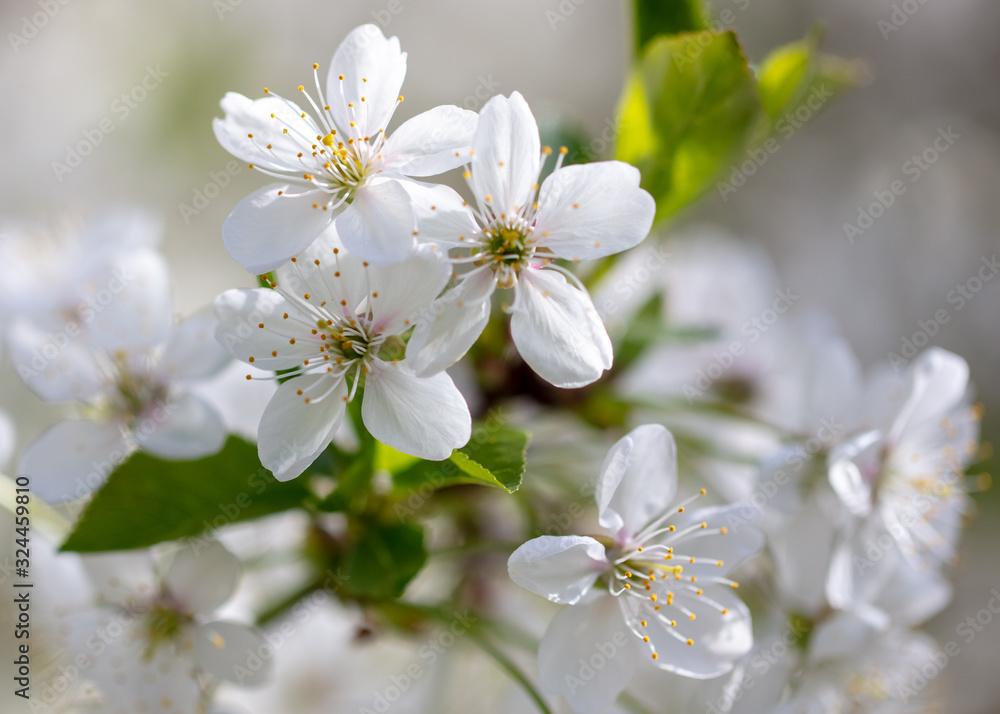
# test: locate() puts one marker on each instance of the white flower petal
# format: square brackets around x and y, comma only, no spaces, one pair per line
[54,366]
[802,552]
[588,655]
[914,594]
[379,225]
[847,460]
[202,577]
[121,578]
[443,218]
[373,67]
[451,325]
[560,568]
[738,541]
[431,143]
[401,291]
[182,428]
[842,634]
[223,650]
[131,302]
[73,458]
[718,639]
[507,160]
[240,314]
[426,417]
[193,352]
[860,566]
[292,433]
[273,224]
[939,380]
[239,401]
[557,331]
[246,116]
[588,211]
[637,481]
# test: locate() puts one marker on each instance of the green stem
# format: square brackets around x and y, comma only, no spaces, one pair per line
[286,603]
[512,669]
[488,648]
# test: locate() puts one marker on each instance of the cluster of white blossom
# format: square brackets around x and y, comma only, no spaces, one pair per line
[833,498]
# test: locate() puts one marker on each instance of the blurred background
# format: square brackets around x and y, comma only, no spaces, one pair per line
[140,83]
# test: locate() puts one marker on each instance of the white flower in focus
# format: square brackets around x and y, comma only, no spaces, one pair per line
[150,644]
[665,572]
[337,322]
[338,168]
[514,233]
[128,374]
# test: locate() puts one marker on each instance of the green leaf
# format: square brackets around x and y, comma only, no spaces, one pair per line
[384,559]
[667,17]
[796,73]
[149,500]
[689,107]
[495,456]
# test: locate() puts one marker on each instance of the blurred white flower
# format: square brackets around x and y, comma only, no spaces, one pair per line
[339,170]
[665,570]
[581,212]
[128,373]
[336,321]
[62,279]
[150,643]
[904,479]
[850,672]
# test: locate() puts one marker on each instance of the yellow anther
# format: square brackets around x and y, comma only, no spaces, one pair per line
[329,139]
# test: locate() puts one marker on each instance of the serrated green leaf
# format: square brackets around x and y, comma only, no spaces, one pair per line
[149,500]
[693,104]
[502,451]
[493,457]
[384,559]
[667,17]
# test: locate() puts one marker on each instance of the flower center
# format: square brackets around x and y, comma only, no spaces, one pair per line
[347,165]
[508,246]
[135,390]
[164,624]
